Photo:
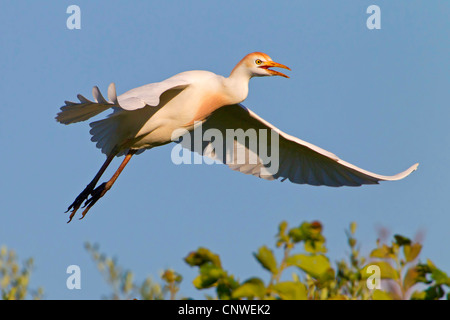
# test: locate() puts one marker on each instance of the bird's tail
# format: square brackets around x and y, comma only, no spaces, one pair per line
[105,133]
[73,112]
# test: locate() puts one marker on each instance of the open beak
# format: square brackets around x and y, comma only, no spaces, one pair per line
[271,64]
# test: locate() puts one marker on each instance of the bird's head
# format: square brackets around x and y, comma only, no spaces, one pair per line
[258,64]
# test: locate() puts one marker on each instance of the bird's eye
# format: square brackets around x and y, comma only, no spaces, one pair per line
[258,61]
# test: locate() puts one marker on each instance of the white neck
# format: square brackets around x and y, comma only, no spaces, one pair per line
[237,84]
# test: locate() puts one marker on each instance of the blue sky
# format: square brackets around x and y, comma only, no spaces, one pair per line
[376,98]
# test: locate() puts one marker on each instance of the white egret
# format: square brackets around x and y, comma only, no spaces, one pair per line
[147,117]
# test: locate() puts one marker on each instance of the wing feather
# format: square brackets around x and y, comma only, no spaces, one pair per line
[147,95]
[299,161]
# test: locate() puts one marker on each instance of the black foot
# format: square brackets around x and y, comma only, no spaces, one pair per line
[96,195]
[79,200]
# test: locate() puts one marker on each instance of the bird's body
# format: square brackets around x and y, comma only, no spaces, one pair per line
[152,126]
[148,116]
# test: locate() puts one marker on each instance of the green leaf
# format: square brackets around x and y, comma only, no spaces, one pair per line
[352,242]
[282,228]
[317,266]
[418,295]
[381,295]
[250,289]
[310,234]
[411,278]
[305,231]
[386,270]
[432,293]
[440,277]
[401,240]
[202,256]
[281,235]
[382,252]
[315,246]
[225,287]
[171,276]
[412,251]
[266,258]
[289,290]
[209,275]
[353,226]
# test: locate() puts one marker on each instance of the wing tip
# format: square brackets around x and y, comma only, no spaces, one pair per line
[405,173]
[412,168]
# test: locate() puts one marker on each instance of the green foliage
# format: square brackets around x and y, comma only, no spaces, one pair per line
[14,280]
[397,265]
[211,273]
[301,250]
[316,277]
[122,281]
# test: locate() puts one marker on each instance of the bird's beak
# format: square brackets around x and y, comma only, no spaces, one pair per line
[271,64]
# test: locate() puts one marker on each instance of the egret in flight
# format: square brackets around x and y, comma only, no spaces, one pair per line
[147,117]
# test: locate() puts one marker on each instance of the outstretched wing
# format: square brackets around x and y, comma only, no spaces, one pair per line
[134,99]
[297,160]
